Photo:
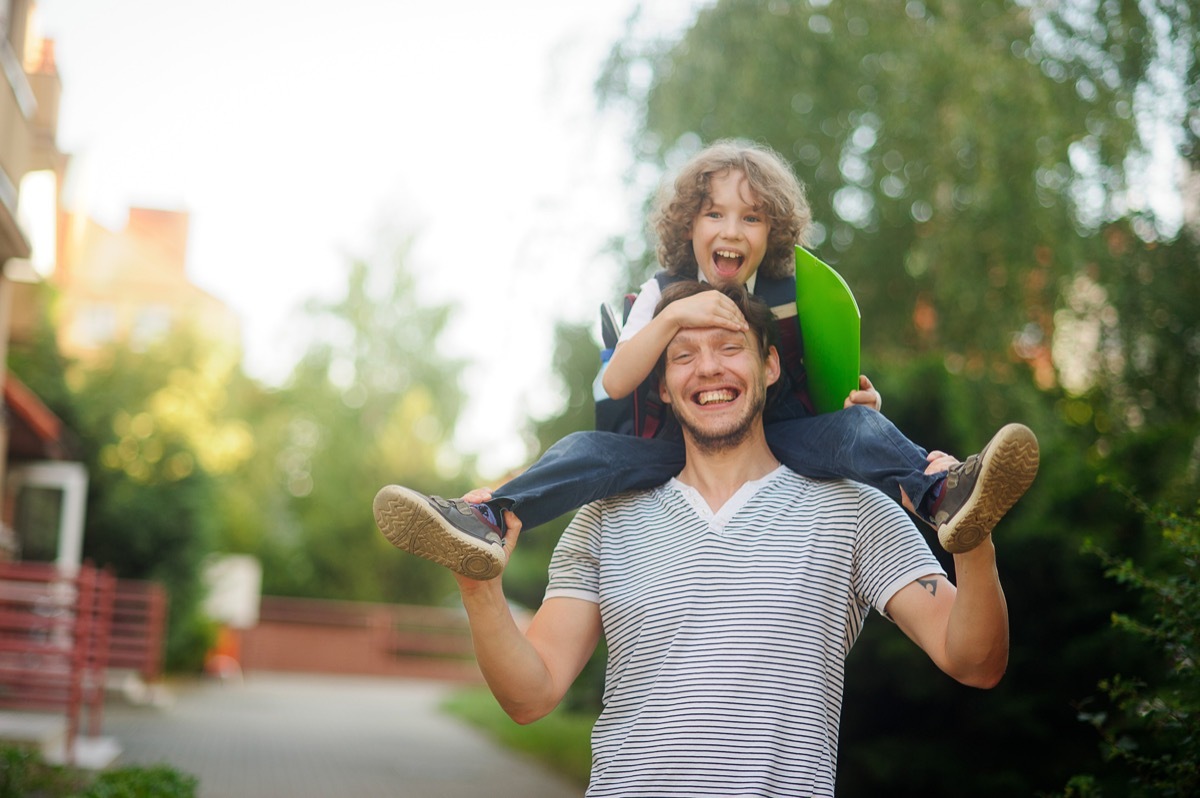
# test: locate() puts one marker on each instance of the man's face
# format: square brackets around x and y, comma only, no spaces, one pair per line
[716,383]
[729,234]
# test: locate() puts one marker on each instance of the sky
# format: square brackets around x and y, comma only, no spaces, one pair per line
[294,133]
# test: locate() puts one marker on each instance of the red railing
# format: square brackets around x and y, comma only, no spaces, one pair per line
[48,622]
[59,634]
[318,636]
[139,621]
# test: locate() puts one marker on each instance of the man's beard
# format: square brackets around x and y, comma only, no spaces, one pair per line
[713,441]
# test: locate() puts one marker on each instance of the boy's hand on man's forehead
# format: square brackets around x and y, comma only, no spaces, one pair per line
[707,309]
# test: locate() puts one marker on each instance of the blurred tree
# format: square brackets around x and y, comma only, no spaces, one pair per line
[575,361]
[148,428]
[905,122]
[372,402]
[975,173]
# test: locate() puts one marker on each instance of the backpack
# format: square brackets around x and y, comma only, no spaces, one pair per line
[642,413]
[621,415]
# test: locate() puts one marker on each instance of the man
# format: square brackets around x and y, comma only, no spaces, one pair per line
[730,596]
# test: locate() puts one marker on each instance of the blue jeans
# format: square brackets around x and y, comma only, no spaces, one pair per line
[856,443]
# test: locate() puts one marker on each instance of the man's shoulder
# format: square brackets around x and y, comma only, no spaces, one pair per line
[821,491]
[633,498]
[622,502]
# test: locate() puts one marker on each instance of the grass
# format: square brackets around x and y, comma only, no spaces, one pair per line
[561,740]
[24,773]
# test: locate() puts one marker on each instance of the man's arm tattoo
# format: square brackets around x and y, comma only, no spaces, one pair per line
[929,584]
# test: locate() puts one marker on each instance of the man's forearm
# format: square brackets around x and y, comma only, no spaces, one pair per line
[512,667]
[977,632]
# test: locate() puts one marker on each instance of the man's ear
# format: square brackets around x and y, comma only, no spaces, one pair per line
[662,392]
[772,365]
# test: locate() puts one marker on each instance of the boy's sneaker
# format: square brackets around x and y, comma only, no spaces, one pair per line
[449,532]
[980,490]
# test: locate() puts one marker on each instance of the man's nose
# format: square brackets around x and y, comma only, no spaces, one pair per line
[707,362]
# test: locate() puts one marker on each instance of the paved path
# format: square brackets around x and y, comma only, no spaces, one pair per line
[294,736]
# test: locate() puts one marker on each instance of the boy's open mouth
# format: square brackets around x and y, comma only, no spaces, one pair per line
[718,396]
[726,262]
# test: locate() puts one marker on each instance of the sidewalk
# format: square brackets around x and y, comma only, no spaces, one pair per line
[299,736]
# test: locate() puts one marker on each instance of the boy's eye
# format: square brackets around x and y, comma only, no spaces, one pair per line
[753,219]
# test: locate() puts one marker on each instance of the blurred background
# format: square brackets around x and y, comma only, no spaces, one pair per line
[261,259]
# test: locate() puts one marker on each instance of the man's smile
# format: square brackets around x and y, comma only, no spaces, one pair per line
[715,396]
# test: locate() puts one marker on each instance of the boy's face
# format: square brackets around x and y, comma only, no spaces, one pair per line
[729,234]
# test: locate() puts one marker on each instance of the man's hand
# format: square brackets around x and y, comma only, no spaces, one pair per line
[865,395]
[940,462]
[512,526]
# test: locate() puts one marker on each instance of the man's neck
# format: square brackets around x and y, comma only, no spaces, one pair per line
[718,475]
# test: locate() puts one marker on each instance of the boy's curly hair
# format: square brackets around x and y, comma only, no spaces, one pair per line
[779,192]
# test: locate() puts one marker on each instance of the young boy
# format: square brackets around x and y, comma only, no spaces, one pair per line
[734,215]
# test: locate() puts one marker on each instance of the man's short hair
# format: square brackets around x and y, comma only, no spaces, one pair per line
[757,312]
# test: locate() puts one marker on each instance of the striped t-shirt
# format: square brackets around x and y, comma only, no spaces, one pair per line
[727,633]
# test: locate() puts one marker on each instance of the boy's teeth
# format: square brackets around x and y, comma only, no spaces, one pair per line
[721,253]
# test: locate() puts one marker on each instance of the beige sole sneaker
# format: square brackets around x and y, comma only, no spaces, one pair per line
[447,532]
[980,490]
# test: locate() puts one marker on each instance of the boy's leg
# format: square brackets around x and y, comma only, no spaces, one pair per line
[584,467]
[858,444]
[580,468]
[963,504]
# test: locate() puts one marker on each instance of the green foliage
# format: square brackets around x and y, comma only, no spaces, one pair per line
[144,425]
[974,171]
[1149,724]
[372,402]
[25,774]
[561,740]
[903,120]
[161,781]
[147,422]
[575,361]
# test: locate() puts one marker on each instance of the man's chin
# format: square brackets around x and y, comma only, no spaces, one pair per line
[712,441]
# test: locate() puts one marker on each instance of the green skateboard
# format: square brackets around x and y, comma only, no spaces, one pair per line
[831,327]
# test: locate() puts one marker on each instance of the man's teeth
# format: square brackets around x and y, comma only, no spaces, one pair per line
[708,397]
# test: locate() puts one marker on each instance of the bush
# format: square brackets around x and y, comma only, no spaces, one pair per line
[1149,724]
[25,774]
[160,781]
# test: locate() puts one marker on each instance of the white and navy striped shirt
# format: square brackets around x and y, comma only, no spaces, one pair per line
[727,633]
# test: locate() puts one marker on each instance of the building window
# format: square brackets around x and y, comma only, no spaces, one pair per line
[152,324]
[97,325]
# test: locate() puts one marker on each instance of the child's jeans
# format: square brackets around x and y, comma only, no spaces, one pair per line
[856,443]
